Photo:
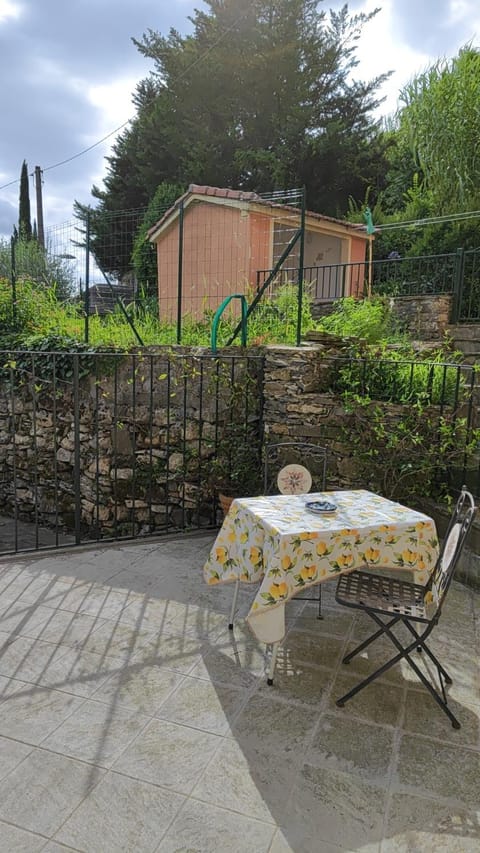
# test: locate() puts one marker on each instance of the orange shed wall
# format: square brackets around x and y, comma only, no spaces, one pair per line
[216,259]
[359,272]
[261,236]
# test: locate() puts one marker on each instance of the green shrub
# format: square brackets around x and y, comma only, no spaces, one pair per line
[368,319]
[402,377]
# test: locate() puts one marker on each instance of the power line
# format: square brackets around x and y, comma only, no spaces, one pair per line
[433,220]
[121,126]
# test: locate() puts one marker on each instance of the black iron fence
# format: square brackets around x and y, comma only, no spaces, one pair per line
[321,284]
[106,446]
[99,446]
[456,273]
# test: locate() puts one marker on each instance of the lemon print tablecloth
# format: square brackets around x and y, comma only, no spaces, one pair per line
[278,542]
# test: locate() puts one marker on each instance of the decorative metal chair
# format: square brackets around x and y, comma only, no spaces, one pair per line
[292,467]
[389,601]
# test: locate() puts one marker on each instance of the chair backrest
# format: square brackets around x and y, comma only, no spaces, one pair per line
[457,532]
[313,457]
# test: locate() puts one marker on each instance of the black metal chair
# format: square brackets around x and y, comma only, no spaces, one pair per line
[277,455]
[389,601]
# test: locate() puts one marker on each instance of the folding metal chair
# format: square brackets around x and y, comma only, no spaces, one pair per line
[389,601]
[277,455]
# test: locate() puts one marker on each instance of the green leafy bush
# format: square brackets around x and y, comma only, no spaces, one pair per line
[402,377]
[368,319]
[407,452]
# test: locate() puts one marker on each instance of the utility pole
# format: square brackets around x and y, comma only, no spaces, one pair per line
[38,188]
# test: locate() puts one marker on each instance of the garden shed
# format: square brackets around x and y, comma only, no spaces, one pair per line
[214,242]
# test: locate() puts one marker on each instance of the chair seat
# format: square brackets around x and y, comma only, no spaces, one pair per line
[383,594]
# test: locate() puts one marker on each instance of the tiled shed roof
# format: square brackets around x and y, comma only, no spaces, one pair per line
[244,196]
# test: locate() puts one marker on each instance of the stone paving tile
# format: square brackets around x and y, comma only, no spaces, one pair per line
[28,659]
[96,732]
[267,723]
[205,828]
[423,717]
[380,702]
[298,842]
[298,683]
[15,840]
[306,647]
[206,706]
[143,686]
[439,770]
[249,780]
[42,791]
[57,626]
[170,755]
[30,713]
[335,807]
[121,814]
[94,599]
[415,823]
[79,672]
[351,746]
[232,664]
[12,752]
[334,622]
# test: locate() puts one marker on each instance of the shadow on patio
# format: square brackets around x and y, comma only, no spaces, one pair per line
[132,719]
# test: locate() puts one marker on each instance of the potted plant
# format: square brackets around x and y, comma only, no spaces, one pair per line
[236,470]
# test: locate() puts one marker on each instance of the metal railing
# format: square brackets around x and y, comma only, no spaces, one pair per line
[107,446]
[429,274]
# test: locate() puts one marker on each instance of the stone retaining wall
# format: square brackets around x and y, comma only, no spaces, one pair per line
[122,452]
[426,318]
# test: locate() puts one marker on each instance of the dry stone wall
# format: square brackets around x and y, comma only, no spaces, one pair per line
[125,450]
[425,318]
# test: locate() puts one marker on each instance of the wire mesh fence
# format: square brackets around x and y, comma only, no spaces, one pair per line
[160,273]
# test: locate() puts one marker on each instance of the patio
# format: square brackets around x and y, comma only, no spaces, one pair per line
[131,719]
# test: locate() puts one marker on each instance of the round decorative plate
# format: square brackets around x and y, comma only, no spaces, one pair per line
[294,480]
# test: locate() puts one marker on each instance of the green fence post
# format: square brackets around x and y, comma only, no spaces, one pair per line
[301,261]
[86,307]
[14,283]
[180,272]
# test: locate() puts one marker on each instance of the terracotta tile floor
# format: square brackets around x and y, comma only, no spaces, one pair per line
[131,719]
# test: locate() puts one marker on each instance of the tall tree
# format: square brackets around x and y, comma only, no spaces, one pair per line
[260,96]
[434,168]
[441,122]
[24,218]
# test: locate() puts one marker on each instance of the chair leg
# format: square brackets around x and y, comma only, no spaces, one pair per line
[423,647]
[234,605]
[404,653]
[369,640]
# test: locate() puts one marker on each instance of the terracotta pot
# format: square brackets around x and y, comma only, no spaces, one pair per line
[225,502]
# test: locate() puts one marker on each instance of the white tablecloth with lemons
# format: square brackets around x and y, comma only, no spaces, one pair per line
[278,541]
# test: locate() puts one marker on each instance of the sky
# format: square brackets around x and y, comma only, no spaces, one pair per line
[68,69]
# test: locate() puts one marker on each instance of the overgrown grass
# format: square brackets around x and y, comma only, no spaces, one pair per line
[372,368]
[369,319]
[38,312]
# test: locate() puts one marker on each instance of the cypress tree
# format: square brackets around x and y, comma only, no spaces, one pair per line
[24,220]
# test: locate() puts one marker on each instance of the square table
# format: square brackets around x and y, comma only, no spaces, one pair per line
[278,542]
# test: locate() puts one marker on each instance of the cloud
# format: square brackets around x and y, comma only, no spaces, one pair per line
[9,9]
[8,217]
[70,70]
